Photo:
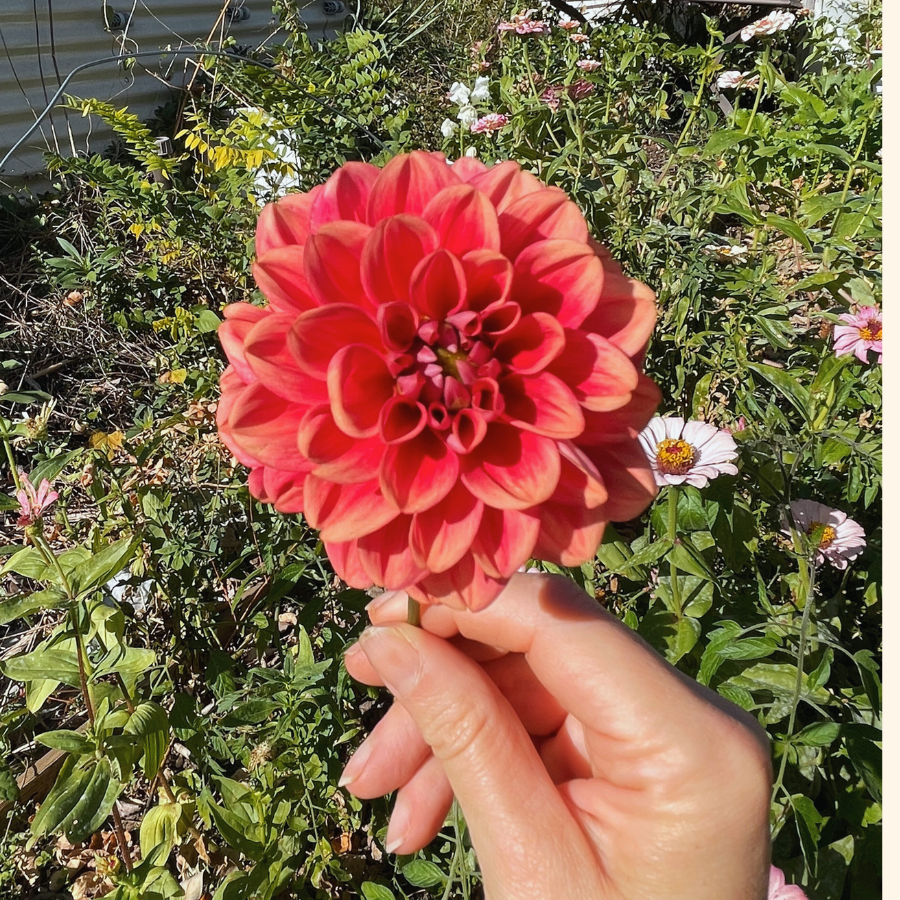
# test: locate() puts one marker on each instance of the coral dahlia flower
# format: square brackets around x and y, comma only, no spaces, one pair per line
[837,539]
[859,334]
[446,380]
[687,452]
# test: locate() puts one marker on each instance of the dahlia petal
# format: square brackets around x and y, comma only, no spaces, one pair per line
[344,195]
[506,182]
[417,474]
[279,275]
[466,581]
[438,285]
[336,456]
[505,540]
[401,419]
[443,534]
[263,425]
[543,404]
[570,535]
[624,423]
[359,384]
[560,277]
[486,398]
[386,557]
[407,183]
[625,314]
[345,512]
[239,320]
[627,475]
[468,168]
[398,323]
[468,430]
[600,375]
[268,354]
[534,342]
[345,560]
[232,389]
[500,318]
[284,490]
[316,336]
[512,469]
[543,215]
[393,249]
[285,222]
[580,483]
[489,278]
[464,220]
[331,263]
[602,252]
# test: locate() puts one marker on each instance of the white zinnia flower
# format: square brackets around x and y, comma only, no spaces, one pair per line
[776,21]
[837,538]
[482,90]
[735,79]
[459,93]
[687,452]
[467,115]
[448,128]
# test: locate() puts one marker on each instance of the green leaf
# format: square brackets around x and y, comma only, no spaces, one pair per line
[159,829]
[29,603]
[25,398]
[780,679]
[129,662]
[421,873]
[865,756]
[62,799]
[819,734]
[720,141]
[250,713]
[749,648]
[737,695]
[808,820]
[69,741]
[674,636]
[688,559]
[95,805]
[9,788]
[373,891]
[645,556]
[790,228]
[50,663]
[50,468]
[786,385]
[30,563]
[207,321]
[150,722]
[99,568]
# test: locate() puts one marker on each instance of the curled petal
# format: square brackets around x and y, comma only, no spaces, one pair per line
[386,556]
[560,277]
[279,274]
[331,260]
[625,314]
[570,535]
[401,419]
[344,195]
[344,558]
[486,398]
[393,249]
[468,430]
[438,285]
[443,534]
[336,456]
[398,323]
[624,423]
[464,220]
[489,278]
[543,215]
[542,403]
[512,469]
[285,222]
[319,334]
[359,384]
[264,426]
[417,474]
[532,344]
[407,183]
[465,581]
[239,320]
[628,477]
[505,540]
[500,318]
[600,375]
[345,512]
[505,183]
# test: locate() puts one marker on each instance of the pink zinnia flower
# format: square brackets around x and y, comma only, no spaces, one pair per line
[550,96]
[687,452]
[588,65]
[579,38]
[838,539]
[33,503]
[490,122]
[860,334]
[577,90]
[778,890]
[569,24]
[446,380]
[523,24]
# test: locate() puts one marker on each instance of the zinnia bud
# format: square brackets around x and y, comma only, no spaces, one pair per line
[446,380]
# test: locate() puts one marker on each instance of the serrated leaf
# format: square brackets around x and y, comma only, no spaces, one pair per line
[421,873]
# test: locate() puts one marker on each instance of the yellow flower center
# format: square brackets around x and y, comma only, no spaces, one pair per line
[821,534]
[675,456]
[449,361]
[871,331]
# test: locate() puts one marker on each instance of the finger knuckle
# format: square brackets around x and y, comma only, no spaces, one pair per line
[457,728]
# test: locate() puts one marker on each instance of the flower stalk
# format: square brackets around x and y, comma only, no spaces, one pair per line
[673,537]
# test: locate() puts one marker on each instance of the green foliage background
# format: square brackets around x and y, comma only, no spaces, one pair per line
[219,660]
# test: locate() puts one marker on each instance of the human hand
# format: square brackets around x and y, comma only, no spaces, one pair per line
[587,767]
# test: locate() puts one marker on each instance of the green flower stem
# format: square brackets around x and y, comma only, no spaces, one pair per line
[760,87]
[7,446]
[413,612]
[673,537]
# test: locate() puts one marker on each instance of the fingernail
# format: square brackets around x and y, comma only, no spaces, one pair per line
[352,650]
[357,764]
[398,829]
[380,600]
[393,657]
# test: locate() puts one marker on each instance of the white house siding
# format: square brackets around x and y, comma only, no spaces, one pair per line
[41,41]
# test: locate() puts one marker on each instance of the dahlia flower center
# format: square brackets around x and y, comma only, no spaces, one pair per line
[675,456]
[871,331]
[821,535]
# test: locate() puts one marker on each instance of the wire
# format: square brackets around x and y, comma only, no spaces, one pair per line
[192,52]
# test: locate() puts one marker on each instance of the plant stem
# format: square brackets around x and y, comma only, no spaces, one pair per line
[7,446]
[673,537]
[413,612]
[762,83]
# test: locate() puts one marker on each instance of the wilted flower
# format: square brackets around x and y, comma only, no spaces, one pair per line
[436,425]
[836,538]
[448,128]
[860,334]
[739,425]
[588,65]
[577,90]
[490,122]
[687,452]
[776,21]
[735,79]
[724,252]
[550,96]
[33,503]
[523,24]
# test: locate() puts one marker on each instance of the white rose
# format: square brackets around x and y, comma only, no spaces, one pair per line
[448,128]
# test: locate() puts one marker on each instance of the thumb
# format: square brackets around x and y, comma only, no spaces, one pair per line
[527,842]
